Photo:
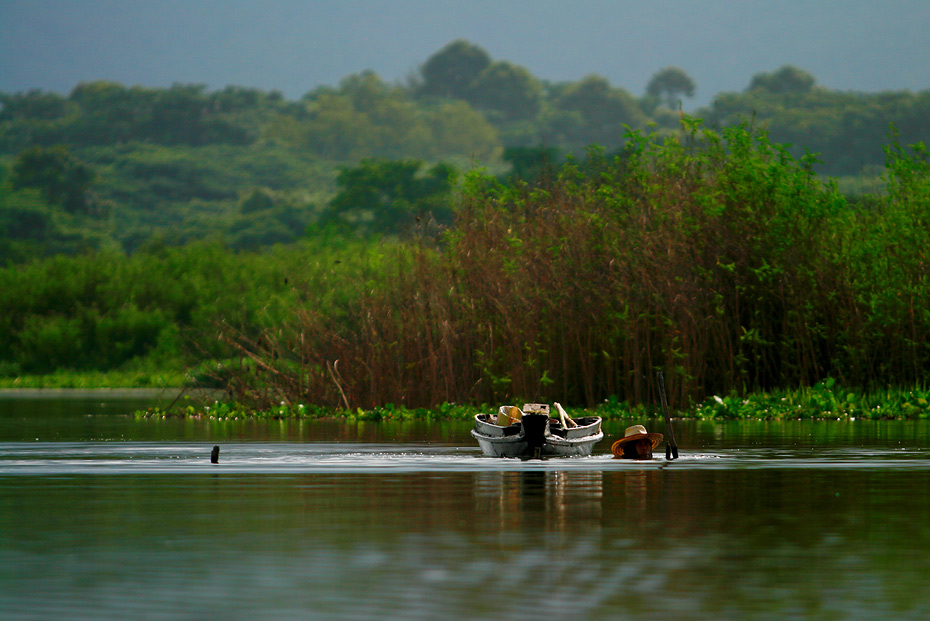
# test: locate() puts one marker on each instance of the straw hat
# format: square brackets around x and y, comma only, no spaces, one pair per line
[636,432]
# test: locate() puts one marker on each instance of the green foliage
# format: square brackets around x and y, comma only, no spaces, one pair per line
[716,257]
[824,400]
[669,84]
[62,179]
[162,306]
[713,252]
[33,104]
[451,71]
[102,112]
[24,223]
[177,195]
[604,113]
[173,162]
[142,376]
[182,114]
[848,131]
[255,200]
[532,163]
[366,117]
[508,92]
[787,79]
[225,410]
[389,196]
[30,227]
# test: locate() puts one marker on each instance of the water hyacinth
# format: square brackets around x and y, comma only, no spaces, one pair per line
[826,400]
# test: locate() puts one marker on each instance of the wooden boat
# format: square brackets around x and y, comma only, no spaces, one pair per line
[531,433]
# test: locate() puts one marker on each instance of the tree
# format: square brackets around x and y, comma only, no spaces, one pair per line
[604,110]
[240,98]
[507,89]
[366,117]
[600,104]
[18,222]
[533,163]
[669,84]
[788,79]
[368,91]
[451,71]
[335,129]
[385,196]
[177,115]
[111,113]
[388,108]
[456,127]
[62,179]
[34,105]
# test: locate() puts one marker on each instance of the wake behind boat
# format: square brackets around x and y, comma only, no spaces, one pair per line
[532,433]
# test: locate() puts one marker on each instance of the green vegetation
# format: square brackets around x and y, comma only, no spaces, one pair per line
[157,311]
[845,129]
[390,196]
[140,378]
[456,240]
[110,166]
[220,410]
[824,401]
[718,258]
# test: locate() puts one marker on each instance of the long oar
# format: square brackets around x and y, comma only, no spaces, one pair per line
[671,449]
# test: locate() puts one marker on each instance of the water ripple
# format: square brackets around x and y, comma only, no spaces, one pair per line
[65,458]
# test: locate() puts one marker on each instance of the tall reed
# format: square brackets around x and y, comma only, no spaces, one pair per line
[714,256]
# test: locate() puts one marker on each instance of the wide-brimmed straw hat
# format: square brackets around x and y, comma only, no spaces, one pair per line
[636,432]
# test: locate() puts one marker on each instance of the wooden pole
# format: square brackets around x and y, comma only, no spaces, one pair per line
[671,449]
[566,419]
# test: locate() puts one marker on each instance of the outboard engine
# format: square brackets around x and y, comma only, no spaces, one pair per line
[535,427]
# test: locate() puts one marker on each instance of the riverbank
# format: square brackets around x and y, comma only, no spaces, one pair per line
[161,395]
[96,380]
[825,400]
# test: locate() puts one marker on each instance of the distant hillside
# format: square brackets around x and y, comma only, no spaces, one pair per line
[118,167]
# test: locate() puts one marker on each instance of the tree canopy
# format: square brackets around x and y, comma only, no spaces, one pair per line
[113,165]
[787,79]
[451,71]
[390,196]
[669,84]
[63,180]
[506,90]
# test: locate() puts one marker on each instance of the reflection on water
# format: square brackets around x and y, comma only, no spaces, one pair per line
[125,457]
[366,531]
[798,520]
[556,501]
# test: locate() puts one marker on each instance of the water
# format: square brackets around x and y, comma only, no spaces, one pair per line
[103,516]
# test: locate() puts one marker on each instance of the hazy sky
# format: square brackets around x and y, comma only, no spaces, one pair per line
[295,45]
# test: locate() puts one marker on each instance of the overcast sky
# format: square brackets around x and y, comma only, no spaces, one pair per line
[296,45]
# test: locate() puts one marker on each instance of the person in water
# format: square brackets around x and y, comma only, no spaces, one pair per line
[636,443]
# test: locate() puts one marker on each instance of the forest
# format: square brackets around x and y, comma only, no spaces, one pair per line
[473,233]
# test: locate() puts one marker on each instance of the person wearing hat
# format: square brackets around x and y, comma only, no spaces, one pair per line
[636,443]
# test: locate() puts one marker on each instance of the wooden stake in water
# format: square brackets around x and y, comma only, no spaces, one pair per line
[215,455]
[671,449]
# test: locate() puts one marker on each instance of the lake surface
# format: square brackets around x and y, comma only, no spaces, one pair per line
[104,516]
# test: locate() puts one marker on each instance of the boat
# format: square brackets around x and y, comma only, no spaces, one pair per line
[531,433]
